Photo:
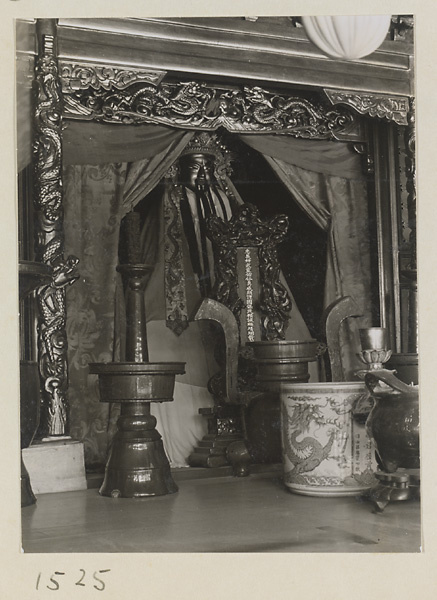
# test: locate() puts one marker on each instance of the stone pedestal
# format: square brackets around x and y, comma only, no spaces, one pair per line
[55,466]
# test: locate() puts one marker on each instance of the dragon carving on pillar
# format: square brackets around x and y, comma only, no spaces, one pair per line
[47,152]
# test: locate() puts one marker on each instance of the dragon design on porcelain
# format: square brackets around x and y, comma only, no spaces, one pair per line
[308,453]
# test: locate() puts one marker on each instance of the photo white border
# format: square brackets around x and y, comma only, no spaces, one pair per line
[222,576]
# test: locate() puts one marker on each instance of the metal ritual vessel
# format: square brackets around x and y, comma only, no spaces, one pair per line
[137,465]
[406,366]
[31,276]
[278,362]
[393,424]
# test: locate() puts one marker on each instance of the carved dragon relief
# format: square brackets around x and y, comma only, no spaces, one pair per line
[410,144]
[391,108]
[132,98]
[47,150]
[76,77]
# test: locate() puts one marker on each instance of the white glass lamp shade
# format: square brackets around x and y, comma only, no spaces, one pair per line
[347,37]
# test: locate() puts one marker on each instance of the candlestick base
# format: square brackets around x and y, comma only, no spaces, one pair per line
[137,464]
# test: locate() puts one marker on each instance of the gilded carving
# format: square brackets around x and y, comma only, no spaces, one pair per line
[83,76]
[391,108]
[255,109]
[402,28]
[196,105]
[410,144]
[47,151]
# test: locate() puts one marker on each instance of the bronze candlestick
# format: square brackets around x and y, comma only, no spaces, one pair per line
[137,465]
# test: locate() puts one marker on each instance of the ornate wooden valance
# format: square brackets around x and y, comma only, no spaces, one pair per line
[129,96]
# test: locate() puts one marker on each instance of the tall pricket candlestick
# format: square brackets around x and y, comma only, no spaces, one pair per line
[137,464]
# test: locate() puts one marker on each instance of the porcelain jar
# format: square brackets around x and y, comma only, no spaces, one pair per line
[326,451]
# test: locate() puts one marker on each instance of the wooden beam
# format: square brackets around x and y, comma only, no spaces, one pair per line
[220,49]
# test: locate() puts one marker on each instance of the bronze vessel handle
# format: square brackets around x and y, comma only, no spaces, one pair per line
[372,378]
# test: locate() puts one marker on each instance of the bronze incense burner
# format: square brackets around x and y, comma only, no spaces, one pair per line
[393,424]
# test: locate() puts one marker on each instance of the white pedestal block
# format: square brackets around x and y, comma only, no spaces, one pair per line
[55,466]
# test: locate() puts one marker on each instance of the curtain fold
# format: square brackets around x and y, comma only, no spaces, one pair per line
[90,143]
[302,185]
[93,199]
[330,158]
[145,174]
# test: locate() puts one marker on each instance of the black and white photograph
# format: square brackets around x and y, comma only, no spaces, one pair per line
[217,290]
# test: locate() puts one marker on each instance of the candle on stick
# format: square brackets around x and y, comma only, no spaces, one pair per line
[374,338]
[132,224]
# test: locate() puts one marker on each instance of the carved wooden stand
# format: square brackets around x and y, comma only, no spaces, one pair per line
[137,465]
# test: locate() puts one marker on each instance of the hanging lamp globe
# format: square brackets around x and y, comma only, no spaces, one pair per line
[347,37]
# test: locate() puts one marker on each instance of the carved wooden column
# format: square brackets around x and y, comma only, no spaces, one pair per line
[410,272]
[49,242]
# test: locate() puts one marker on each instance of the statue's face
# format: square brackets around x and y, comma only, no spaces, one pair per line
[197,170]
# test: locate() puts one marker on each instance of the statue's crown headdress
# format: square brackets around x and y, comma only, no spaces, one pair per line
[205,143]
[210,143]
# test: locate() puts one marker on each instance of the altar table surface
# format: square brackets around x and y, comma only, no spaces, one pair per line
[219,514]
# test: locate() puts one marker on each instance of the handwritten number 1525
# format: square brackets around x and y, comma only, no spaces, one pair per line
[54,584]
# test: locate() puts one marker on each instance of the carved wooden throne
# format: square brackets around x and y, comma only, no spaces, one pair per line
[247,282]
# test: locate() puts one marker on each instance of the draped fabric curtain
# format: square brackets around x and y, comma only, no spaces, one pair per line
[334,195]
[93,199]
[96,197]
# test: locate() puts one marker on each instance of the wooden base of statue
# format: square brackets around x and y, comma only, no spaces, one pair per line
[137,465]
